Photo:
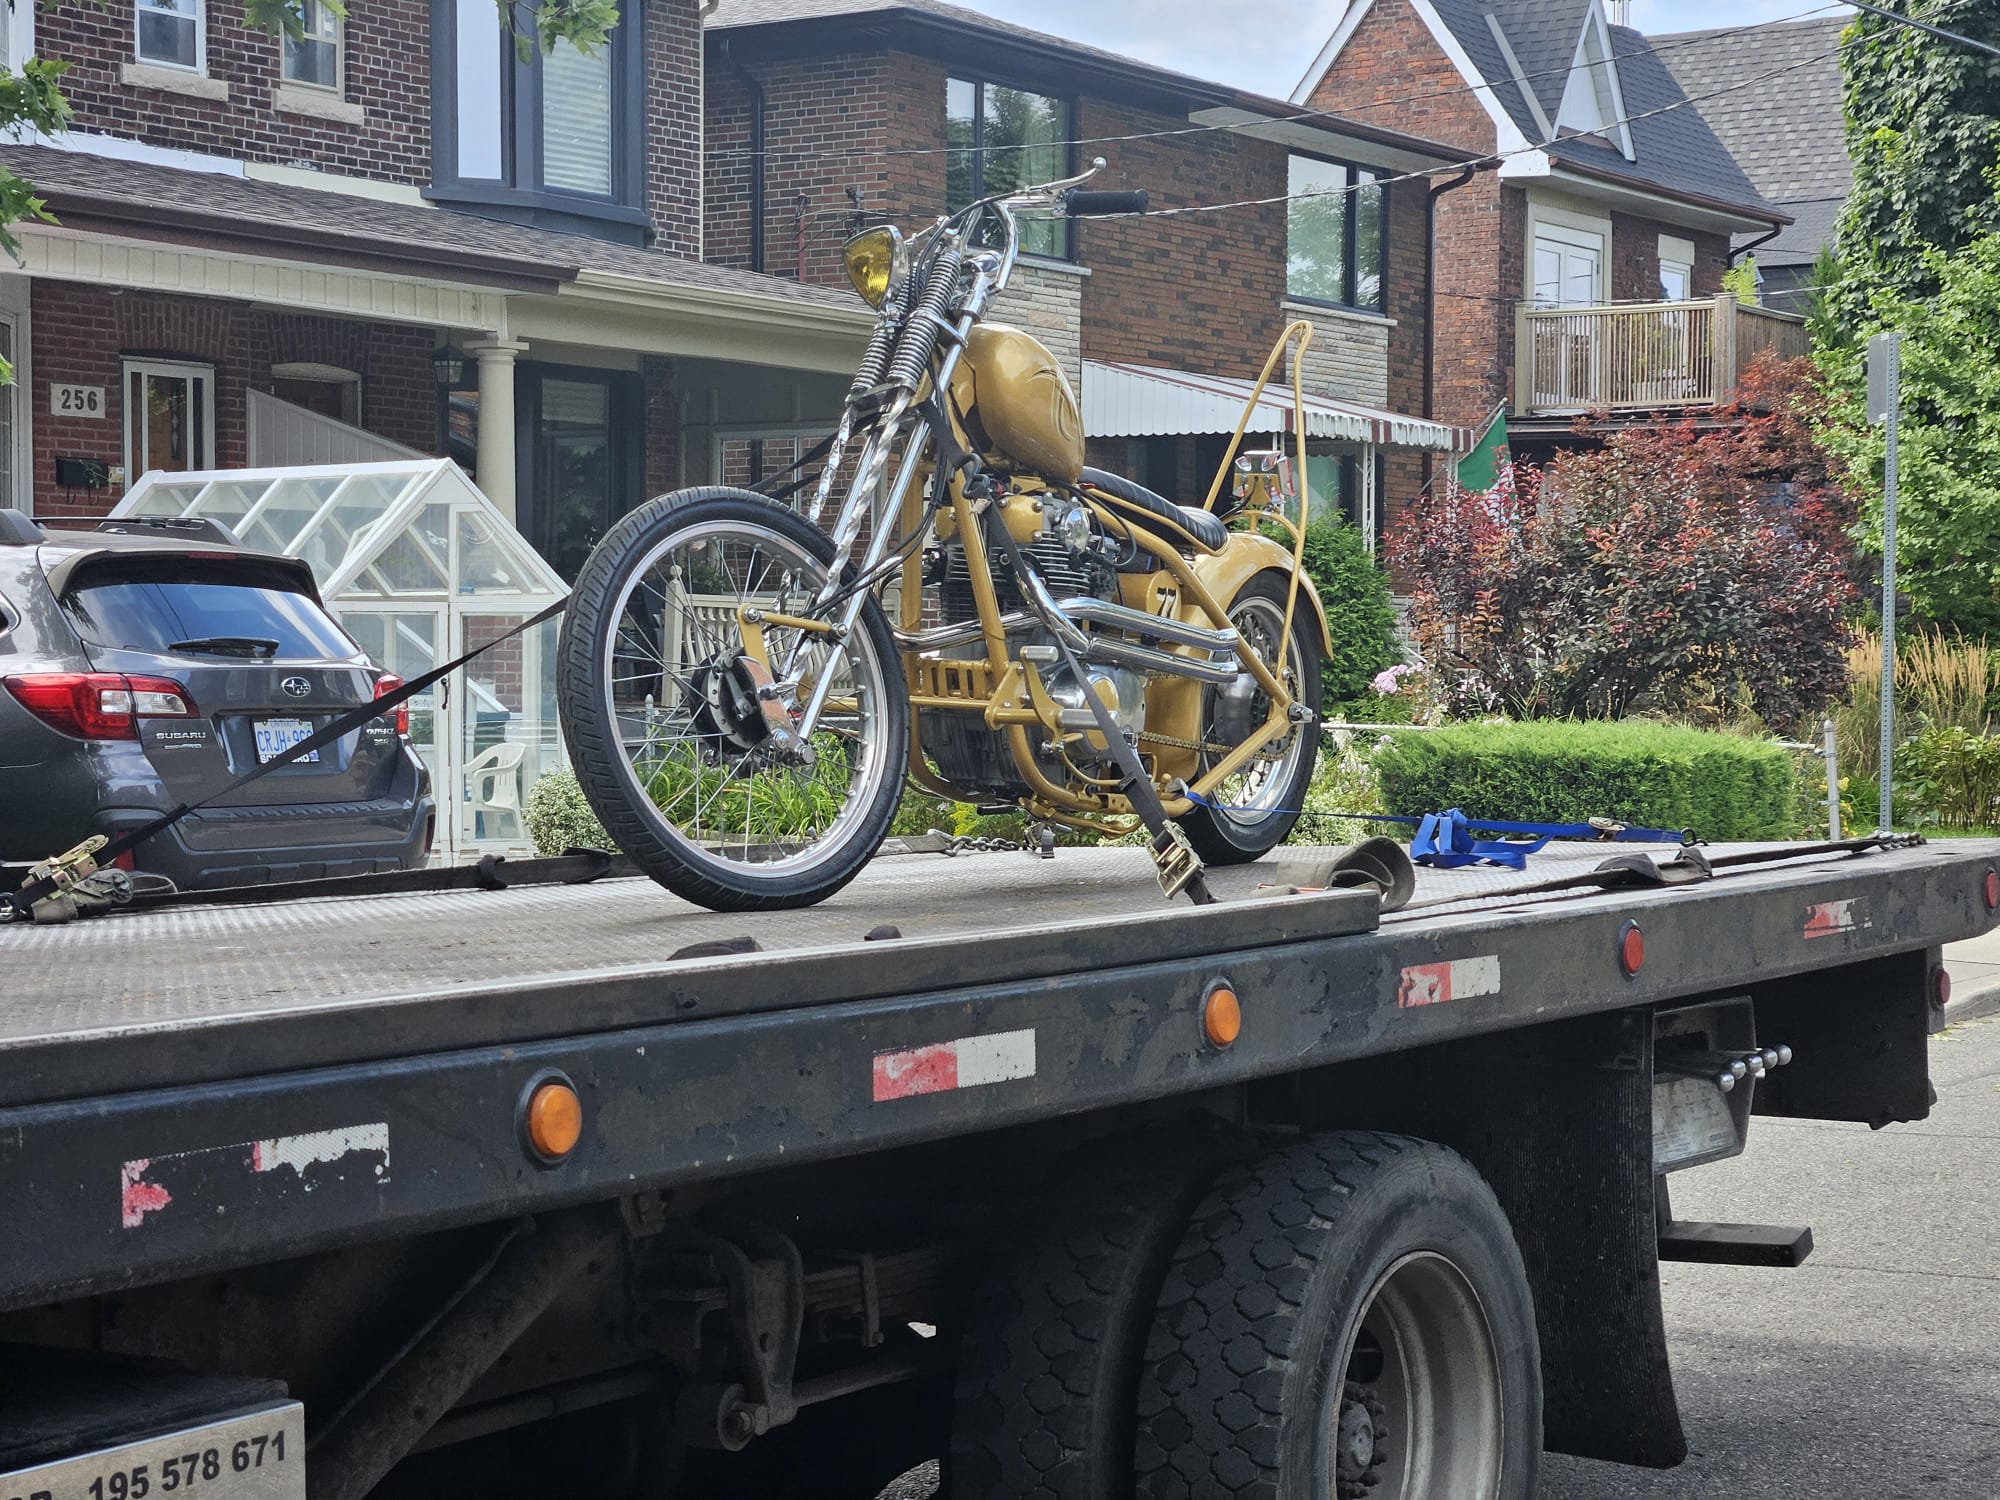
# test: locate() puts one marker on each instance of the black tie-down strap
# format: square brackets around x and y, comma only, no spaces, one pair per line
[23,901]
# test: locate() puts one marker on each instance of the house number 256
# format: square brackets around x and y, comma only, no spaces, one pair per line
[76,400]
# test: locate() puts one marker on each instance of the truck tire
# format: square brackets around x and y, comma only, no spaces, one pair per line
[1347,1316]
[1049,1366]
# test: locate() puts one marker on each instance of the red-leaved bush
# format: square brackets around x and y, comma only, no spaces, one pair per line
[1696,568]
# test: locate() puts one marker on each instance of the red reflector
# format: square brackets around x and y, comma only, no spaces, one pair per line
[1631,948]
[124,862]
[386,684]
[1940,987]
[1992,890]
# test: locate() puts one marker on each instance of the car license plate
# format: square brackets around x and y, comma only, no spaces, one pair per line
[261,1456]
[276,736]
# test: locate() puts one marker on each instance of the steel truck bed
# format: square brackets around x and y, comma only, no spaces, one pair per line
[156,1069]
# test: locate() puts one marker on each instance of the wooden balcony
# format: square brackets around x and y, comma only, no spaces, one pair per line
[1642,356]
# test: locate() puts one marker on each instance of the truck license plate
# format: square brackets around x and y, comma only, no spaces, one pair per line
[276,736]
[261,1456]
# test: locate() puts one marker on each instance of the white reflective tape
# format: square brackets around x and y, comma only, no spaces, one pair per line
[999,1058]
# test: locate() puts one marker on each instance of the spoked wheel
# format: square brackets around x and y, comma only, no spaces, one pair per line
[1256,809]
[681,691]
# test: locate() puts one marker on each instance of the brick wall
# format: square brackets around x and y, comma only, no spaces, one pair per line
[673,124]
[387,76]
[839,131]
[1393,74]
[82,335]
[1635,258]
[663,425]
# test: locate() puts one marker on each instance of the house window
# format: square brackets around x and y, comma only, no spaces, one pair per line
[315,57]
[170,33]
[1002,138]
[326,389]
[556,140]
[1676,268]
[169,416]
[1569,266]
[1335,235]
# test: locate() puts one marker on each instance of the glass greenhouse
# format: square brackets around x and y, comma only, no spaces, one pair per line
[418,566]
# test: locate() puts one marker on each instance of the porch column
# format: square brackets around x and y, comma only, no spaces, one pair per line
[496,418]
[1368,498]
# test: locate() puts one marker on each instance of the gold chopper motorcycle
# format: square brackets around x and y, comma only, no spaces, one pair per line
[744,691]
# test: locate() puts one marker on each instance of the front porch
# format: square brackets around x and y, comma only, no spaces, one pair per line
[1643,357]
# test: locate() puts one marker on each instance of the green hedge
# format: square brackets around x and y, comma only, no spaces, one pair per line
[1651,775]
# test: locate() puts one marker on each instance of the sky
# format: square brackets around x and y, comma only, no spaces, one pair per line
[1231,41]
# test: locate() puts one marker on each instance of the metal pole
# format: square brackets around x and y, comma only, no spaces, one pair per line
[1894,382]
[1831,755]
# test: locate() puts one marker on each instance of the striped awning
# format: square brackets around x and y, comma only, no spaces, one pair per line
[1121,400]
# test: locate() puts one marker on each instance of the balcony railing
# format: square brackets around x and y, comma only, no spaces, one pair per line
[1642,357]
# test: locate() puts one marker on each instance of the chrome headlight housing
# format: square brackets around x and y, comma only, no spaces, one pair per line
[878,263]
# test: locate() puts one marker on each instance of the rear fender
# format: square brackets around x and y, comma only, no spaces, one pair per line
[1247,554]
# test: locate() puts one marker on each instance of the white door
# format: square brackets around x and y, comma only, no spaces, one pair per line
[1569,268]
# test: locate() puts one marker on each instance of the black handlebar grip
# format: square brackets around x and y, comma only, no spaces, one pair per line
[1089,205]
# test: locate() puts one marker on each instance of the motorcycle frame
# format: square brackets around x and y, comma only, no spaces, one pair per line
[1013,692]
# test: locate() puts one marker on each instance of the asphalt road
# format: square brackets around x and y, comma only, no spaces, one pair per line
[1873,1371]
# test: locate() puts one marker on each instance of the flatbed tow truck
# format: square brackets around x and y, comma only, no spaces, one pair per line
[577,1190]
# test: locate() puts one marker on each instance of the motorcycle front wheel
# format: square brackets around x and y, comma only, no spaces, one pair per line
[680,730]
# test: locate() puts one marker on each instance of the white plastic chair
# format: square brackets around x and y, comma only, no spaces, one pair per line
[494,778]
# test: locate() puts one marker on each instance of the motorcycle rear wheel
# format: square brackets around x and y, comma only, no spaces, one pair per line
[666,729]
[1256,809]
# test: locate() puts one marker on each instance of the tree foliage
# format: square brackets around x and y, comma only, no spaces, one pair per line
[1948,513]
[1923,131]
[1695,569]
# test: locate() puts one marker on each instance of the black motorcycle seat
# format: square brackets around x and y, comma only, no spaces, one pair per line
[1182,525]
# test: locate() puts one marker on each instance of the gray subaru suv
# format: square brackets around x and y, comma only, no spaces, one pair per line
[143,665]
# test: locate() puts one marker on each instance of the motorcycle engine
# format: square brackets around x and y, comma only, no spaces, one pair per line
[1070,561]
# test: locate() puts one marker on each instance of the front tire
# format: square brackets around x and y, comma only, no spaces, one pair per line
[1255,810]
[1346,1316]
[666,725]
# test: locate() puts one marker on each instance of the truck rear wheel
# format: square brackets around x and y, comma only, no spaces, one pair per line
[1348,1316]
[1049,1367]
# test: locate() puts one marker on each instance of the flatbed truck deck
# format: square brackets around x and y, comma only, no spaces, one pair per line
[806,1132]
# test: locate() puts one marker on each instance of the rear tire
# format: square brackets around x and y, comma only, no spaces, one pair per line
[1346,1316]
[1049,1367]
[1251,821]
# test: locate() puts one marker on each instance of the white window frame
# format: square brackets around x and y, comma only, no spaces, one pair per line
[338,87]
[176,368]
[1677,254]
[19,29]
[139,9]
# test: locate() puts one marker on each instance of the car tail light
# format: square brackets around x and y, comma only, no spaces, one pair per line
[386,684]
[99,705]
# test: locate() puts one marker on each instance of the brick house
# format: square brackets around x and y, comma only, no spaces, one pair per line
[1585,273]
[827,115]
[388,237]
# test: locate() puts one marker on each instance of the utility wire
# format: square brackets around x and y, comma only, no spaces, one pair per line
[1303,117]
[1939,31]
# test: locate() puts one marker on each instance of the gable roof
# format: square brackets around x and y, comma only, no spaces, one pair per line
[1789,133]
[1675,154]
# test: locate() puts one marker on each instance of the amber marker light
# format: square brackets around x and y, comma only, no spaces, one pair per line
[1631,949]
[1221,1016]
[552,1118]
[1990,889]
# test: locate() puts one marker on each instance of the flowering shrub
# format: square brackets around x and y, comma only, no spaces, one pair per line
[1667,572]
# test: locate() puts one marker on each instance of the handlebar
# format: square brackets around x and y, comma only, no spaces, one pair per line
[1079,204]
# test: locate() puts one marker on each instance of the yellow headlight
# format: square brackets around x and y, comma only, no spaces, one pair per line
[874,262]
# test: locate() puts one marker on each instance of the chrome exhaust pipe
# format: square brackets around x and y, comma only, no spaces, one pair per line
[1108,650]
[964,633]
[1122,617]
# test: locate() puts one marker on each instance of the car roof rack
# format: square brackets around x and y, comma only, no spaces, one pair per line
[194,528]
[18,530]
